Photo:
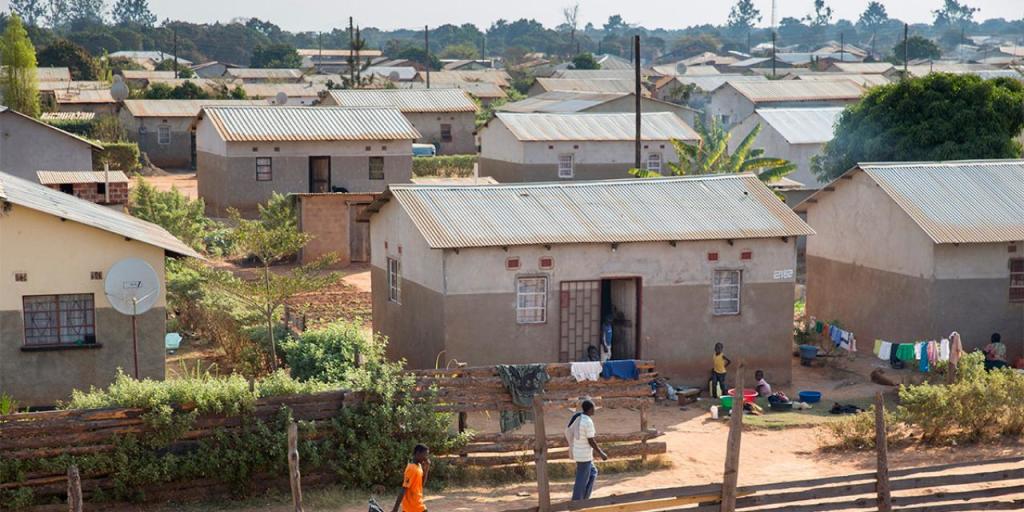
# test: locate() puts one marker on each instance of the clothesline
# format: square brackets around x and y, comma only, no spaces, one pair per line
[840,337]
[924,354]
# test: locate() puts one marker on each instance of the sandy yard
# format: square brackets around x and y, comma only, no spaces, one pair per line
[184,181]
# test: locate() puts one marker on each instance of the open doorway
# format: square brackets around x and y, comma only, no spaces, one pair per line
[584,306]
[620,306]
[319,174]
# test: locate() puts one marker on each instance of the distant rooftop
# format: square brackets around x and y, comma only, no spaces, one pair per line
[657,126]
[285,123]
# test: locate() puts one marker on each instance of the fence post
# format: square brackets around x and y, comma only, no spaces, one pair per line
[730,479]
[74,489]
[643,428]
[540,451]
[293,465]
[882,447]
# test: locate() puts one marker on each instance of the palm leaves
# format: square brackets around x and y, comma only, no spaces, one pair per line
[711,156]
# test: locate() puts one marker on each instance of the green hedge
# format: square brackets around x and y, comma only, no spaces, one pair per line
[76,126]
[122,156]
[448,165]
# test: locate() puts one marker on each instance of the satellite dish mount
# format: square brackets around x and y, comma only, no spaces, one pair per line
[132,288]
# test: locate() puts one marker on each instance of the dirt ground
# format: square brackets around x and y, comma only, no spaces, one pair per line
[183,180]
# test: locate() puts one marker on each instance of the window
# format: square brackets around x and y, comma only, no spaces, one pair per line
[446,132]
[1017,280]
[725,292]
[67,188]
[59,319]
[101,188]
[376,167]
[394,281]
[163,135]
[724,119]
[654,162]
[264,169]
[565,167]
[531,300]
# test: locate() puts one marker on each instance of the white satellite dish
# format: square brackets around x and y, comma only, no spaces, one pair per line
[281,98]
[132,288]
[680,69]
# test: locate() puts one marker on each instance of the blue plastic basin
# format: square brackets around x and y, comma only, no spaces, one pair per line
[810,397]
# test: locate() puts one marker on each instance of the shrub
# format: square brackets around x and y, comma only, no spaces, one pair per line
[171,210]
[330,353]
[80,127]
[448,165]
[8,405]
[108,129]
[122,156]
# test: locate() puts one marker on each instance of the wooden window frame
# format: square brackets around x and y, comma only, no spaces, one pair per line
[88,327]
[394,276]
[718,288]
[264,168]
[522,310]
[370,166]
[1016,281]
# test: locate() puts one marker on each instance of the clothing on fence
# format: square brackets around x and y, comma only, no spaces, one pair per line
[956,348]
[522,381]
[944,349]
[623,369]
[906,353]
[894,355]
[588,370]
[884,350]
[923,362]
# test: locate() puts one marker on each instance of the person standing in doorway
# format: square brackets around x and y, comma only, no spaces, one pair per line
[410,497]
[719,363]
[606,338]
[581,432]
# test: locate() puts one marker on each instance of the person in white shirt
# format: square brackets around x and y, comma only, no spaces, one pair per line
[763,388]
[582,434]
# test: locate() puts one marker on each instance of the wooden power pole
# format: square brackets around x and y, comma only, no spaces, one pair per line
[638,89]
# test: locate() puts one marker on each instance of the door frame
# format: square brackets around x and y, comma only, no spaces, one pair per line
[310,164]
[638,324]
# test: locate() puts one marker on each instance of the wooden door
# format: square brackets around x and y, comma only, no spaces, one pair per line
[358,234]
[319,174]
[624,297]
[579,305]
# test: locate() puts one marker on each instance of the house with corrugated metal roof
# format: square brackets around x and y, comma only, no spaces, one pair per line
[566,102]
[245,153]
[100,187]
[445,118]
[58,331]
[30,145]
[528,273]
[518,147]
[734,101]
[264,75]
[163,128]
[913,251]
[626,85]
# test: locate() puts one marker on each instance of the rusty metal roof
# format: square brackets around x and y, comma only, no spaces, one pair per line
[83,96]
[34,196]
[595,127]
[145,74]
[587,84]
[180,108]
[264,73]
[972,201]
[798,90]
[292,90]
[632,210]
[69,177]
[407,100]
[864,80]
[287,123]
[53,74]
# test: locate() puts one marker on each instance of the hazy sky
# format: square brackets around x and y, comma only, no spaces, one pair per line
[299,15]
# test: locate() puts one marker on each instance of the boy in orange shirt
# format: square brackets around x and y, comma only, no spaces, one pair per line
[410,498]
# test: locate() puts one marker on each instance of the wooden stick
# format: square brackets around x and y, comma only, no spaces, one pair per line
[882,448]
[730,479]
[74,489]
[293,465]
[643,428]
[541,454]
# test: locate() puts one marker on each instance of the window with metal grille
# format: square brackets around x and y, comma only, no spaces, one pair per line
[376,167]
[725,292]
[446,132]
[264,169]
[163,135]
[394,281]
[565,166]
[1017,280]
[59,319]
[654,162]
[531,300]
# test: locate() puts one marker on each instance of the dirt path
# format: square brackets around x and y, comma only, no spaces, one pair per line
[184,181]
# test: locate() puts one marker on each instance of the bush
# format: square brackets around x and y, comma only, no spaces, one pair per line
[171,210]
[79,127]
[108,129]
[331,353]
[122,156]
[448,165]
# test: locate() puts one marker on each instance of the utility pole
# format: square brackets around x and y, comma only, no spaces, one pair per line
[175,52]
[351,52]
[842,47]
[320,50]
[906,49]
[632,49]
[426,49]
[773,53]
[637,90]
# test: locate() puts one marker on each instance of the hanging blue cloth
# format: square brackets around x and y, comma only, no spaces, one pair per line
[623,369]
[923,365]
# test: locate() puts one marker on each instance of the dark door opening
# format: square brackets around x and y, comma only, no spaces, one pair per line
[620,306]
[319,174]
[585,307]
[192,151]
[358,234]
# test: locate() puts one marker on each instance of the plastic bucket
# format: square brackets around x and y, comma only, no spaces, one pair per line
[726,403]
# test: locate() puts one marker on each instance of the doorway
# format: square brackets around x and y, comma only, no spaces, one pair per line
[319,174]
[583,308]
[358,234]
[620,305]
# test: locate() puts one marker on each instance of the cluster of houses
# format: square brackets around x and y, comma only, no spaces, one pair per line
[547,240]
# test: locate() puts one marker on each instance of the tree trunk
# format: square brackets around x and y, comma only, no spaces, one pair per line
[270,320]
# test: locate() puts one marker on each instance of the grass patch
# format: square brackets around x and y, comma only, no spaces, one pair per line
[818,415]
[557,471]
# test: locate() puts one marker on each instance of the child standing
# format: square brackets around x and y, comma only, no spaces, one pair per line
[410,497]
[719,363]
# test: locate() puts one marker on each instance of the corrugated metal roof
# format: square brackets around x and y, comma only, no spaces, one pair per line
[67,116]
[631,210]
[980,201]
[956,68]
[54,74]
[83,96]
[596,127]
[594,74]
[562,102]
[447,78]
[72,85]
[264,73]
[180,108]
[292,90]
[814,125]
[587,85]
[407,100]
[334,52]
[392,72]
[155,56]
[797,90]
[710,83]
[286,123]
[145,74]
[65,206]
[482,90]
[6,111]
[67,177]
[861,80]
[863,68]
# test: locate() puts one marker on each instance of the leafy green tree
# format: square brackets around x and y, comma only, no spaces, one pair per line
[822,15]
[461,51]
[743,16]
[58,13]
[180,216]
[711,156]
[87,11]
[954,13]
[186,91]
[238,93]
[64,53]
[873,17]
[585,61]
[133,12]
[30,11]
[168,65]
[18,77]
[917,47]
[615,22]
[936,117]
[278,55]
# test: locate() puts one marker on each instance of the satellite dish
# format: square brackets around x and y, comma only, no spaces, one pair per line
[394,76]
[132,286]
[281,98]
[119,91]
[680,68]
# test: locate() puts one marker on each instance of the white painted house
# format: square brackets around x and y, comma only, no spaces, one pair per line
[734,101]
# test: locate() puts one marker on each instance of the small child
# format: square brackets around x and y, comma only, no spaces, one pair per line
[410,497]
[719,363]
[763,388]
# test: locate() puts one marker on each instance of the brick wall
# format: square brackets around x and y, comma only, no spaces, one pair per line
[90,192]
[326,218]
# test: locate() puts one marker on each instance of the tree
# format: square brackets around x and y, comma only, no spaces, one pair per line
[711,156]
[238,93]
[571,15]
[615,22]
[171,210]
[460,51]
[743,16]
[585,61]
[18,77]
[186,91]
[278,55]
[87,11]
[917,48]
[168,65]
[133,12]
[30,11]
[64,53]
[269,243]
[872,18]
[954,13]
[822,15]
[934,118]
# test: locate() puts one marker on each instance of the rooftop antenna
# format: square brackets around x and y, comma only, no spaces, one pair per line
[132,288]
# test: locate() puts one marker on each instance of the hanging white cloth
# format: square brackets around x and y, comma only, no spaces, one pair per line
[587,370]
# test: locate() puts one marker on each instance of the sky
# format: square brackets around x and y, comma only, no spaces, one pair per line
[303,15]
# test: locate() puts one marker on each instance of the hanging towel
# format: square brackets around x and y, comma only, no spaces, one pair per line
[956,348]
[588,370]
[894,356]
[623,369]
[853,343]
[923,355]
[905,352]
[884,350]
[836,335]
[878,348]
[933,352]
[844,341]
[522,381]
[944,349]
